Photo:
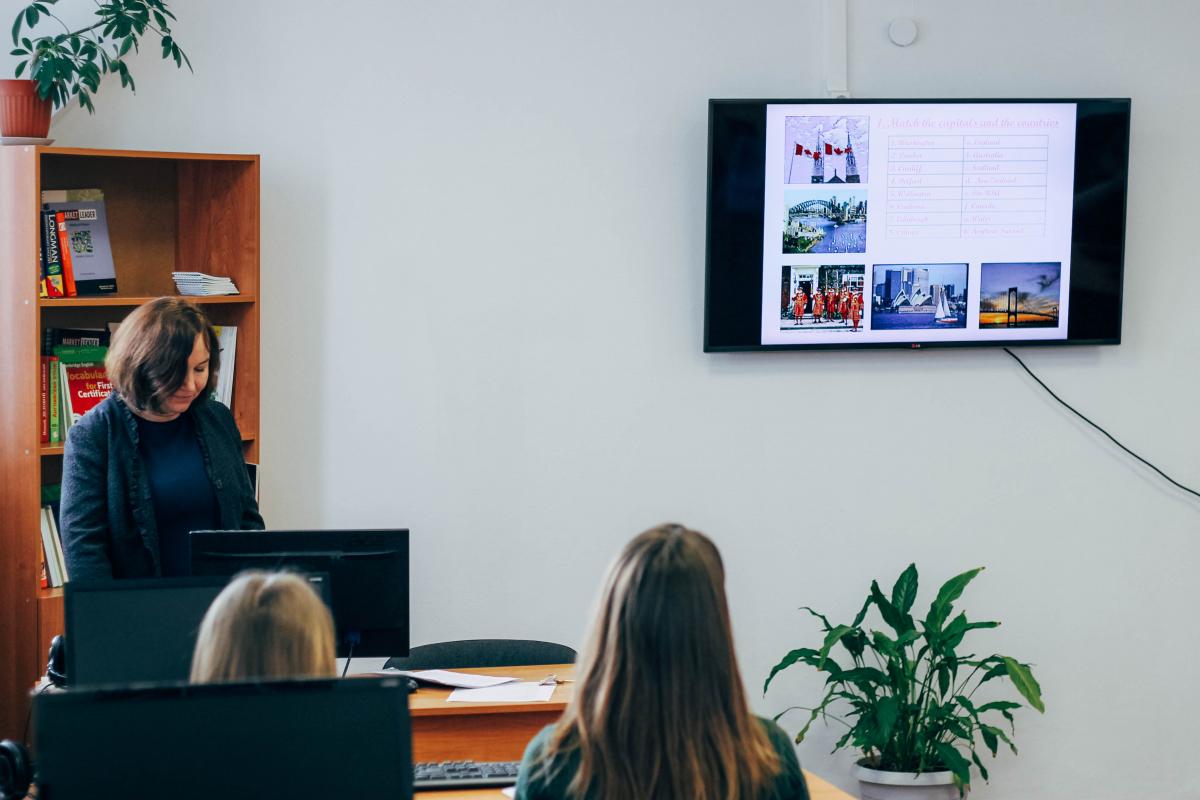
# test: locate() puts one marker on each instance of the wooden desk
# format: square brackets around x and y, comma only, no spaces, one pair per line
[443,731]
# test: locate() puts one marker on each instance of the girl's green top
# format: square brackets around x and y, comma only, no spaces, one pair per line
[788,785]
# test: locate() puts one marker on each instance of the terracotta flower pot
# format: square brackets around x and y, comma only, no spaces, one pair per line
[22,112]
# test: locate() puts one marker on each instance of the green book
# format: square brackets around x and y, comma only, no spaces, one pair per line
[55,403]
[51,493]
[80,353]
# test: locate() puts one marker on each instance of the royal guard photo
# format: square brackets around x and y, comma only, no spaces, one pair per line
[821,298]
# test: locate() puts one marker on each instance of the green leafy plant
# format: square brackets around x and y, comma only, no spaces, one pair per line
[71,63]
[907,696]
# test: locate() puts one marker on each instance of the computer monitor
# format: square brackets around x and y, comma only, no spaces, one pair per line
[295,739]
[368,572]
[142,630]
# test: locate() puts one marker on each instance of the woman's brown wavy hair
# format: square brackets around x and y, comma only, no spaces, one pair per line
[148,358]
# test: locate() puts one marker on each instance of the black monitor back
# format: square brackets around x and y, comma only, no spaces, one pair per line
[294,739]
[134,630]
[368,576]
[140,631]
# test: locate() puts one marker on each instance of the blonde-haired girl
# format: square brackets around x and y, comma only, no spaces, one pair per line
[265,626]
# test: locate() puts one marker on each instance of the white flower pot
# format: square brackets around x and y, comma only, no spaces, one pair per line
[875,784]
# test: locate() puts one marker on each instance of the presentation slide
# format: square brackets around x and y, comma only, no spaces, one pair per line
[917,222]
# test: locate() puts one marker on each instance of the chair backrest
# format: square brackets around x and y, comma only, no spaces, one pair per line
[483,653]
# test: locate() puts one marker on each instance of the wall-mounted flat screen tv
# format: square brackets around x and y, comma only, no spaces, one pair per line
[915,223]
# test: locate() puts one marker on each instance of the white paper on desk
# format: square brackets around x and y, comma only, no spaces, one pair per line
[523,692]
[461,680]
[511,791]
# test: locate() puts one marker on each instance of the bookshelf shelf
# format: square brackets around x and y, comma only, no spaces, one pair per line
[248,437]
[167,212]
[118,301]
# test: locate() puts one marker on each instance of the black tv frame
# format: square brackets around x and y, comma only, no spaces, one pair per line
[733,231]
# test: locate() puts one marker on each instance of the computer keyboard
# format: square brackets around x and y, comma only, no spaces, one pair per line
[455,774]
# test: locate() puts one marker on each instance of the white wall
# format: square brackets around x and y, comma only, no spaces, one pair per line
[483,232]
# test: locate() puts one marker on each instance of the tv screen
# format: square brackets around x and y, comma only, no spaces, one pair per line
[915,223]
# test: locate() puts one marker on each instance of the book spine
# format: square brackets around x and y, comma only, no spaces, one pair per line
[49,551]
[45,376]
[56,539]
[64,400]
[43,291]
[55,403]
[54,276]
[64,248]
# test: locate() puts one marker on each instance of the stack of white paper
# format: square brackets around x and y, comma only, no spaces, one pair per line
[522,692]
[461,680]
[197,284]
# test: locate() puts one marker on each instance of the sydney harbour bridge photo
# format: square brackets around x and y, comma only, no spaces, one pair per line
[821,221]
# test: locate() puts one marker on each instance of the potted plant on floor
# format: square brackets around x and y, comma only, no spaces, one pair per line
[60,65]
[907,697]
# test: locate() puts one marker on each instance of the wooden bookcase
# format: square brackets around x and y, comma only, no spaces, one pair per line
[166,212]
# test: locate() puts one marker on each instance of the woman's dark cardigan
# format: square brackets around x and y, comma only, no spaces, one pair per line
[107,515]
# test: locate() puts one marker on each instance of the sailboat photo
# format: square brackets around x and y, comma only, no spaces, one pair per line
[942,314]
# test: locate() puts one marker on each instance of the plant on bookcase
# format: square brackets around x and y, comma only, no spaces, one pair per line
[907,699]
[62,65]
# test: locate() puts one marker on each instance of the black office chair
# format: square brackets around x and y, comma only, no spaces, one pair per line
[483,653]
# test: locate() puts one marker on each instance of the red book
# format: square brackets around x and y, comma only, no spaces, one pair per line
[45,399]
[64,246]
[85,386]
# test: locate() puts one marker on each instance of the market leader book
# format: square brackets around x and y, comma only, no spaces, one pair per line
[85,238]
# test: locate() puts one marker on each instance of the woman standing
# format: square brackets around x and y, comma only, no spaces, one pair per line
[159,457]
[659,710]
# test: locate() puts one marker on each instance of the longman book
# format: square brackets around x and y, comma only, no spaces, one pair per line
[52,277]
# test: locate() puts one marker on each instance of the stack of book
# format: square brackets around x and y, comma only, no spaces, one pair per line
[197,284]
[54,565]
[73,379]
[76,258]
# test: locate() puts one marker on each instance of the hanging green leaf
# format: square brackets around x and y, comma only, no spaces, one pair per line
[808,655]
[1022,678]
[954,762]
[982,769]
